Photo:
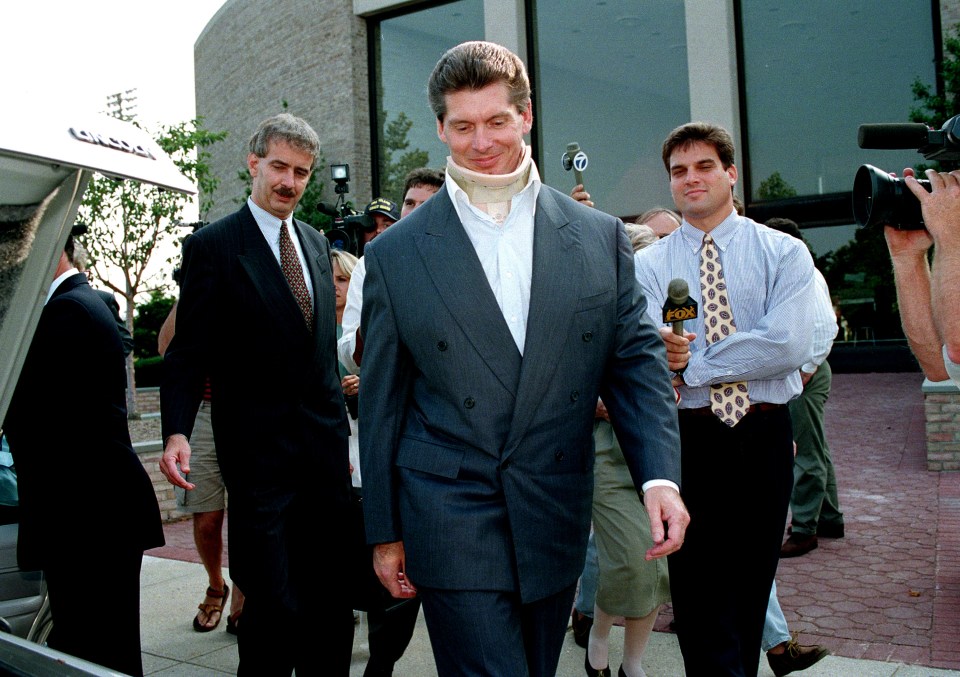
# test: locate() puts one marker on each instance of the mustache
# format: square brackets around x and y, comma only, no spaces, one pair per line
[285,192]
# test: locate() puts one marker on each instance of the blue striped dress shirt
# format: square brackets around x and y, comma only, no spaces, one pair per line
[770,283]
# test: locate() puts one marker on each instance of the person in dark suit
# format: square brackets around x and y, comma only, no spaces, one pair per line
[69,405]
[256,314]
[494,316]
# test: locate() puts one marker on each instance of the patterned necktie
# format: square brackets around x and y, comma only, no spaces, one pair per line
[290,264]
[729,401]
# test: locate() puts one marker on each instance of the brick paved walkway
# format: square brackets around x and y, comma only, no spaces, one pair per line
[890,590]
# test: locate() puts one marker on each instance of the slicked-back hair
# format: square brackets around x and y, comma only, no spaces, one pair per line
[474,65]
[285,127]
[423,176]
[686,135]
[69,249]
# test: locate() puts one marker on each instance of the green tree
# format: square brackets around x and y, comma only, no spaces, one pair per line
[150,317]
[774,187]
[395,160]
[128,221]
[936,108]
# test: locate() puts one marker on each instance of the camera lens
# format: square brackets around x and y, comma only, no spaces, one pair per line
[883,200]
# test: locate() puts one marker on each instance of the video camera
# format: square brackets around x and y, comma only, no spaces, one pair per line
[880,199]
[194,226]
[347,221]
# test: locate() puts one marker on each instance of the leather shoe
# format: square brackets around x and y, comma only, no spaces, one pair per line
[798,544]
[795,657]
[593,672]
[830,530]
[824,530]
[581,628]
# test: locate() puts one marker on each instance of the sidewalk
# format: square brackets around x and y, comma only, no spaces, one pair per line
[885,599]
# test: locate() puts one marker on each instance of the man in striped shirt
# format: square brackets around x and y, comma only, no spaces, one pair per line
[736,474]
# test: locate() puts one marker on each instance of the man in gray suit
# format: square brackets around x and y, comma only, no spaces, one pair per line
[494,317]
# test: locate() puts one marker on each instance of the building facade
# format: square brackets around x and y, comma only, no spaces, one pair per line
[791,81]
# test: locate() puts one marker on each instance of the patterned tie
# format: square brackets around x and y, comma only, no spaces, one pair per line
[729,401]
[290,264]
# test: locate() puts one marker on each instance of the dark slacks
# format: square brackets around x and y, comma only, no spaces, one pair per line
[736,483]
[95,602]
[302,621]
[390,632]
[480,633]
[814,501]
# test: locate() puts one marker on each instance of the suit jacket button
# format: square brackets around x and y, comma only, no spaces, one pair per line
[587,336]
[558,455]
[441,345]
[469,403]
[574,396]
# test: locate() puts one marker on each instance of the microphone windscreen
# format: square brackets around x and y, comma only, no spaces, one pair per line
[573,148]
[678,290]
[893,136]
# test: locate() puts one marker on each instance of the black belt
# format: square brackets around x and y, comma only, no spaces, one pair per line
[707,411]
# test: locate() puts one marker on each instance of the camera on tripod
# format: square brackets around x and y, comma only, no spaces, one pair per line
[348,223]
[880,199]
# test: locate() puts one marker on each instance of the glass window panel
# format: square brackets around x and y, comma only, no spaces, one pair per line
[814,71]
[407,49]
[612,76]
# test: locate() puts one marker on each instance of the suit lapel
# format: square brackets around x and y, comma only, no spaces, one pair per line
[262,267]
[554,293]
[453,266]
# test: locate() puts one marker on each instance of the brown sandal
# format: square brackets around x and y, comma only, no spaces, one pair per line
[210,609]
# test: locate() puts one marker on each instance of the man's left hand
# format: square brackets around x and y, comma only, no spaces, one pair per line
[664,505]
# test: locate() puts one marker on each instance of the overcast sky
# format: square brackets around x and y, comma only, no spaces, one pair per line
[74,54]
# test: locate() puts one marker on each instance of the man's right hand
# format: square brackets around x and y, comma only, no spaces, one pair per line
[678,348]
[389,561]
[176,452]
[581,195]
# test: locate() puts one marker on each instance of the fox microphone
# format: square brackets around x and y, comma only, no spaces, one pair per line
[678,306]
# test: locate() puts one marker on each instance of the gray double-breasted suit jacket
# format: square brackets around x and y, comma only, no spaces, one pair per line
[479,459]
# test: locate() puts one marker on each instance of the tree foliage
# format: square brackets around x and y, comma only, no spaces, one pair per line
[935,108]
[774,187]
[128,220]
[395,160]
[150,317]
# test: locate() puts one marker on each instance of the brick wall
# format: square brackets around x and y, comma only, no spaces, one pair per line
[941,403]
[149,454]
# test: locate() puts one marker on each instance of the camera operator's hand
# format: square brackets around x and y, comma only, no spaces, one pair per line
[941,206]
[919,291]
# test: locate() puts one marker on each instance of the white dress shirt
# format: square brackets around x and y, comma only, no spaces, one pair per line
[58,281]
[825,326]
[270,227]
[350,322]
[770,283]
[505,250]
